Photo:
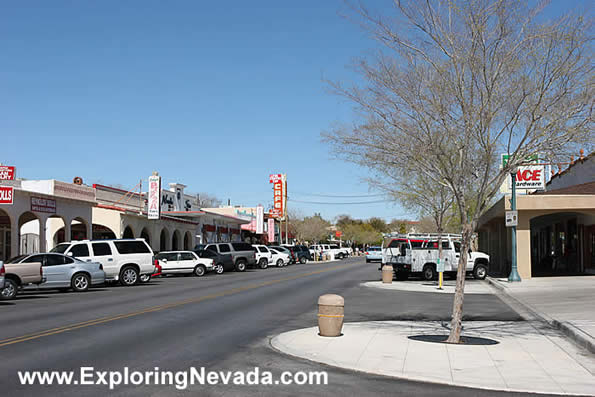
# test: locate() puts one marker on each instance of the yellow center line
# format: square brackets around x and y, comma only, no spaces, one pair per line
[89,323]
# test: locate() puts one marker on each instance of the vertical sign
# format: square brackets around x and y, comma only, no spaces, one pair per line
[260,219]
[271,230]
[279,185]
[6,194]
[6,173]
[154,203]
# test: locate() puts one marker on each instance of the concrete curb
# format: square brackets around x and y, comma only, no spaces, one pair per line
[575,334]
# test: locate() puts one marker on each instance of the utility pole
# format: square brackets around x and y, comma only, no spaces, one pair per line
[514,274]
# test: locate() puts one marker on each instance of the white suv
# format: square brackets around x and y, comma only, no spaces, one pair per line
[126,260]
[263,256]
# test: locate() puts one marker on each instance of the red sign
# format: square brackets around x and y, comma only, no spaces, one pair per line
[279,187]
[6,194]
[6,173]
[39,204]
[338,234]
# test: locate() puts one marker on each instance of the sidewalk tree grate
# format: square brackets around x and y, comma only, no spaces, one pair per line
[465,340]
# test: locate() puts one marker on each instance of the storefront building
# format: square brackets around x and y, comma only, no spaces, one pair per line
[43,214]
[182,224]
[556,227]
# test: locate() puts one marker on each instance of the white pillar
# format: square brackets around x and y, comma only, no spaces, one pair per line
[14,239]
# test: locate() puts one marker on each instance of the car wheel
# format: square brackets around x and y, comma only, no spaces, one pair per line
[429,273]
[264,263]
[219,269]
[303,260]
[279,262]
[241,265]
[480,272]
[80,282]
[368,261]
[10,290]
[144,278]
[128,276]
[199,271]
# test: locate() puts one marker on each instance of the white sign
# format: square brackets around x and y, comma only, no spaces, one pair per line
[440,266]
[154,202]
[260,219]
[512,218]
[530,177]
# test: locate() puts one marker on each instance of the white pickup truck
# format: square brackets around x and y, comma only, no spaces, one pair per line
[418,254]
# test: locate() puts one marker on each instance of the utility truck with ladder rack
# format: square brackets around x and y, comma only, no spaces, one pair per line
[417,254]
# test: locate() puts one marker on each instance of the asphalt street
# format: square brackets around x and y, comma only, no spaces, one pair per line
[222,323]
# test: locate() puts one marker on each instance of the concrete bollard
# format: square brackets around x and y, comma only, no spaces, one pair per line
[330,314]
[387,274]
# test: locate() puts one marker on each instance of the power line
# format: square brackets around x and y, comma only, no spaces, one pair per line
[338,196]
[352,203]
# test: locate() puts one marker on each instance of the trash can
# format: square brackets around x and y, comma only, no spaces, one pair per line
[330,314]
[387,274]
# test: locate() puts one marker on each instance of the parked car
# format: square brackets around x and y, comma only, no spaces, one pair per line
[21,271]
[183,262]
[243,254]
[2,272]
[125,260]
[280,257]
[301,252]
[221,262]
[263,256]
[373,254]
[340,252]
[285,250]
[64,272]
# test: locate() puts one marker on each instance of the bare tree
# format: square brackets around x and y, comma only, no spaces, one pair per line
[456,84]
[312,229]
[207,200]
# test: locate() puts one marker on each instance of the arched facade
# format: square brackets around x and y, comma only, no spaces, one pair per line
[175,240]
[144,234]
[128,233]
[164,244]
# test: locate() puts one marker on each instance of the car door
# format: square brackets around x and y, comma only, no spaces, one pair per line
[186,262]
[81,252]
[57,271]
[102,253]
[168,262]
[274,255]
[30,273]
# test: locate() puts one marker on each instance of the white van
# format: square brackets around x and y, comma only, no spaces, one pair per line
[126,260]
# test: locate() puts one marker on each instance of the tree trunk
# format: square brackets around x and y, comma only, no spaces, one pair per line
[456,324]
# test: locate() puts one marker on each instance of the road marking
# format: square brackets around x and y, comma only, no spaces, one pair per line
[97,321]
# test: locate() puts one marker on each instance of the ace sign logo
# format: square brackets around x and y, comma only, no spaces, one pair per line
[528,177]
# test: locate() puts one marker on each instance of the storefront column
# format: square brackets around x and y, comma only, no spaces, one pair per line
[42,234]
[67,230]
[523,250]
[89,229]
[14,238]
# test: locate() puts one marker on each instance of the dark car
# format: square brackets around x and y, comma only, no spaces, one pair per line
[221,262]
[301,252]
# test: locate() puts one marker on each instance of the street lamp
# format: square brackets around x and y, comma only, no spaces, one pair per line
[514,274]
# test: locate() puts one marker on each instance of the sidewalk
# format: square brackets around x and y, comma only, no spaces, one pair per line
[530,356]
[564,302]
[448,287]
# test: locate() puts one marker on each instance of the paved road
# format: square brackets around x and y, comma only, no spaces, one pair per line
[217,322]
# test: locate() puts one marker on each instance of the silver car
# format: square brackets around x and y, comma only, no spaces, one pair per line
[65,272]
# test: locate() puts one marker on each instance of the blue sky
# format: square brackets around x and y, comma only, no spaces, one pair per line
[215,95]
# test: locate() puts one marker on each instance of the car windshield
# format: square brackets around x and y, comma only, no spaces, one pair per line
[16,259]
[60,248]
